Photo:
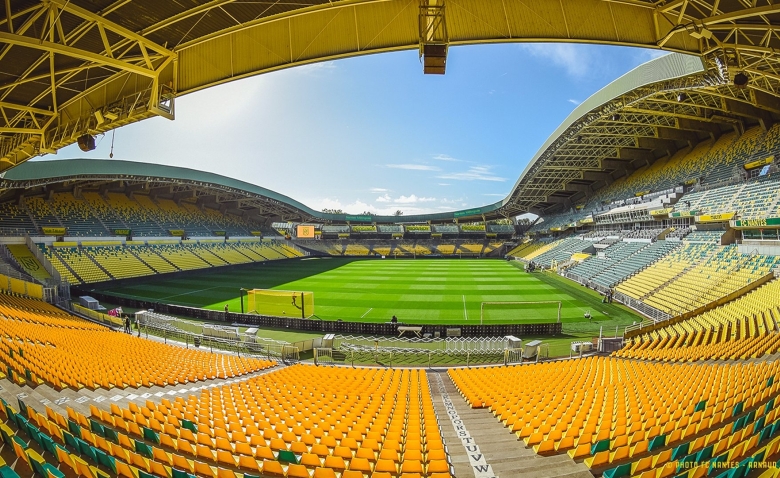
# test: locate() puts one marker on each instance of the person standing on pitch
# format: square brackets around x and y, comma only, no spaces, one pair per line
[227,312]
[127,324]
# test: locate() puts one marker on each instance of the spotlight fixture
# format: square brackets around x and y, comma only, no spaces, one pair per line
[86,142]
[681,97]
[740,80]
[615,117]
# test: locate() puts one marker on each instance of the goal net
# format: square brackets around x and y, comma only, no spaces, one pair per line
[280,303]
[539,312]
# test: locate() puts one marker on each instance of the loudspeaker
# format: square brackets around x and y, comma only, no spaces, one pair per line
[740,80]
[86,142]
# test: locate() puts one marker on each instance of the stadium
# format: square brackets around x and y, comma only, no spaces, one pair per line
[616,314]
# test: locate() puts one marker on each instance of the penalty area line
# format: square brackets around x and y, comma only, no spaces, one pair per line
[369,310]
[188,293]
[465,313]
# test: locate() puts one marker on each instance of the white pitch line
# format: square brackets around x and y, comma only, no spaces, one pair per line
[465,313]
[188,293]
[369,310]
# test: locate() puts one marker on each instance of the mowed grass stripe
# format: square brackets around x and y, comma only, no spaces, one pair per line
[417,291]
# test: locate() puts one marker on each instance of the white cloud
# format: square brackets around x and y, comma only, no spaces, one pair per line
[474,173]
[315,68]
[387,206]
[495,195]
[412,199]
[445,184]
[646,54]
[413,167]
[379,190]
[572,58]
[446,157]
[574,102]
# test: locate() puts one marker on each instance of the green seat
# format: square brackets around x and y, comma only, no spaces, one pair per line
[680,451]
[70,440]
[657,442]
[143,449]
[150,435]
[36,461]
[96,427]
[286,456]
[759,424]
[53,471]
[48,444]
[111,435]
[601,445]
[74,428]
[6,433]
[20,442]
[618,471]
[86,449]
[22,407]
[7,472]
[183,474]
[106,460]
[189,425]
[704,454]
[715,461]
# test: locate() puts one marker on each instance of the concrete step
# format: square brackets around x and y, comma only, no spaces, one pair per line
[499,452]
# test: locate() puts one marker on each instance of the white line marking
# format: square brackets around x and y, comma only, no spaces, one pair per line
[481,468]
[465,314]
[369,310]
[190,292]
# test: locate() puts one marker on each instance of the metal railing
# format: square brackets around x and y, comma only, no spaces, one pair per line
[166,328]
[323,356]
[421,352]
[644,309]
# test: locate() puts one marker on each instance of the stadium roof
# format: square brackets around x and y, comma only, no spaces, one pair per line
[75,67]
[208,189]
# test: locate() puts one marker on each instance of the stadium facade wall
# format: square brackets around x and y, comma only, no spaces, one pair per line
[326,326]
[772,249]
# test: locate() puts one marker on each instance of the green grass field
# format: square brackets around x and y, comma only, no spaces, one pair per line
[416,291]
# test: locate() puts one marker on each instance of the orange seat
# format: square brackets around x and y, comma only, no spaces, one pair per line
[324,473]
[297,471]
[272,468]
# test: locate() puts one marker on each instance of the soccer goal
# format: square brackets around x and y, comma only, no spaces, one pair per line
[280,303]
[539,312]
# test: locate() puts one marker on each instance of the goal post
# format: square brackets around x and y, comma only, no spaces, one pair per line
[280,303]
[544,311]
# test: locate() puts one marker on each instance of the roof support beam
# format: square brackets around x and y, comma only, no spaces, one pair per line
[678,135]
[577,187]
[764,118]
[703,126]
[636,155]
[656,143]
[765,101]
[57,48]
[617,165]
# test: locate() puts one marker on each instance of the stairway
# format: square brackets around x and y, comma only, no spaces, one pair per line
[67,266]
[482,447]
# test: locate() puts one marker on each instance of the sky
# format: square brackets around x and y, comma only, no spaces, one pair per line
[373,133]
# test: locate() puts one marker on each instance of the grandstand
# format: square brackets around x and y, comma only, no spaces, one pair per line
[661,415]
[662,187]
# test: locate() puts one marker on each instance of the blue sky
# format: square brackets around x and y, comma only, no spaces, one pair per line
[373,133]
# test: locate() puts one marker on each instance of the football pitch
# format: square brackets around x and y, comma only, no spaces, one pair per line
[448,291]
